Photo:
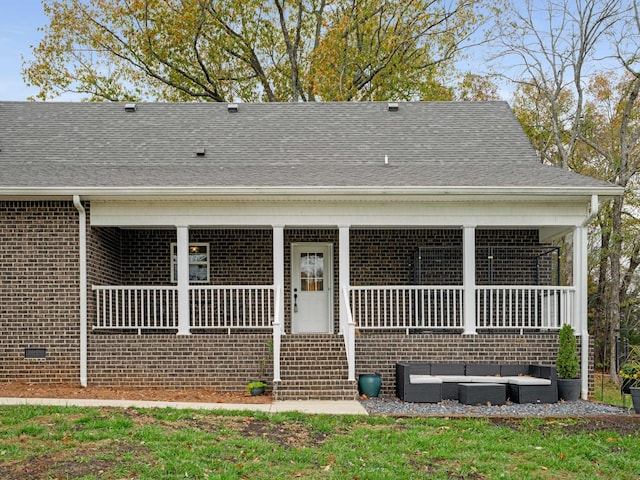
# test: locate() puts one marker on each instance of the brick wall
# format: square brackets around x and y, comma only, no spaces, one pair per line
[379,352]
[39,302]
[220,361]
[237,257]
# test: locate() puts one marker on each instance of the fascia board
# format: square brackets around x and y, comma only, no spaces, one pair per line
[604,193]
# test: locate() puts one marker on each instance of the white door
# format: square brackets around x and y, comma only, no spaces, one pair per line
[311,287]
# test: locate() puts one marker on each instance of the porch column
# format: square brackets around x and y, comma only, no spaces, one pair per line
[343,275]
[278,270]
[183,280]
[347,326]
[580,304]
[469,279]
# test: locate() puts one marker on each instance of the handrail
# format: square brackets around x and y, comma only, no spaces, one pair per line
[349,334]
[277,334]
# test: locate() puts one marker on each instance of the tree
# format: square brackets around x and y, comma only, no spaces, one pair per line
[251,50]
[593,132]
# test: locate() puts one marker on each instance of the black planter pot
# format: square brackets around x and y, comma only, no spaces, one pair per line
[569,389]
[627,384]
[635,398]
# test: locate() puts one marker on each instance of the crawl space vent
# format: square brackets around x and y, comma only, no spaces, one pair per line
[35,353]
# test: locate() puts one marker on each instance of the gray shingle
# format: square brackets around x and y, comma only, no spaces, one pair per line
[428,144]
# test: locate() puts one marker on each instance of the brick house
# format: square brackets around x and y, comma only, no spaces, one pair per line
[203,245]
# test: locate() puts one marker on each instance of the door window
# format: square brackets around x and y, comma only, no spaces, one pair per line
[311,272]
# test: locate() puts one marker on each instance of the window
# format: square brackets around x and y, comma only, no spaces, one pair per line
[198,262]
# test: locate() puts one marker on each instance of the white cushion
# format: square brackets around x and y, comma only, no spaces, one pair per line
[424,379]
[487,379]
[453,378]
[529,381]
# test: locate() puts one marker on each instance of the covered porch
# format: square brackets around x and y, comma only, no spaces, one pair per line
[377,279]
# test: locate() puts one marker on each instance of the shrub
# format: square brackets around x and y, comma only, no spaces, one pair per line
[567,363]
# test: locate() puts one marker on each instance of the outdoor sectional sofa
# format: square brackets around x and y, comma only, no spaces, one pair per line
[433,382]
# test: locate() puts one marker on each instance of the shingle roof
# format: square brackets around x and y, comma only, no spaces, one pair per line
[428,144]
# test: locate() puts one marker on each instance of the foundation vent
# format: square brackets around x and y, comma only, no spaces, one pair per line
[35,353]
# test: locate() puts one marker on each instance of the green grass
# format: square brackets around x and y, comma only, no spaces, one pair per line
[59,442]
[606,391]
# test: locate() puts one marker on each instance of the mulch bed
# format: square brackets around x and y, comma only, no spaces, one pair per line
[201,395]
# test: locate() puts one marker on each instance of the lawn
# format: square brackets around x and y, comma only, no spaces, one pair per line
[606,391]
[38,442]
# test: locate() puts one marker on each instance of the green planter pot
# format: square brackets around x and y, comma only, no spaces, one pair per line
[255,391]
[635,398]
[369,384]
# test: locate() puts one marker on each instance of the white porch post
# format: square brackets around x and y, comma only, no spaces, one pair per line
[278,292]
[580,305]
[343,276]
[183,280]
[278,269]
[469,279]
[347,326]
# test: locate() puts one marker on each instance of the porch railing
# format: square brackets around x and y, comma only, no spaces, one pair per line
[232,307]
[136,308]
[441,307]
[407,307]
[524,308]
[211,307]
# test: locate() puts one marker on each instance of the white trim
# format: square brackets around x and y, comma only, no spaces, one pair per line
[92,193]
[378,213]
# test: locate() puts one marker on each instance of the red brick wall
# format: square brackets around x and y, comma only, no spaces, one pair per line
[39,281]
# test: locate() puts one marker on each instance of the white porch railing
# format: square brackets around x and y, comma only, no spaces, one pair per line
[524,308]
[441,307]
[136,308]
[231,307]
[211,307]
[407,307]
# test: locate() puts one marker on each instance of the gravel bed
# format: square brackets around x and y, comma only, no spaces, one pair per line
[388,405]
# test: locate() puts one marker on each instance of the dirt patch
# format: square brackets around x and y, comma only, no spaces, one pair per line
[91,460]
[288,434]
[203,395]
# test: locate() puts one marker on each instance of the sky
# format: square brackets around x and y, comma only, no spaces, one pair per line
[19,23]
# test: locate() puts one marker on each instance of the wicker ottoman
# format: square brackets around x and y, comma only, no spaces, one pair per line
[482,393]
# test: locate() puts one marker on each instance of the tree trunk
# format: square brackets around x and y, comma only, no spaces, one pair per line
[614,305]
